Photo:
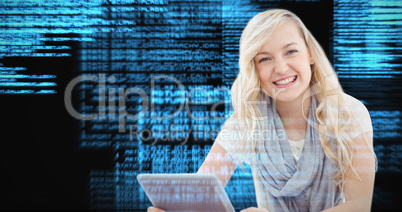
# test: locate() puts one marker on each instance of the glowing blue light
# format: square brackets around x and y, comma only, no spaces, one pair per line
[27,84]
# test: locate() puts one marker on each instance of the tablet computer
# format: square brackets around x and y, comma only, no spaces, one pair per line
[185,192]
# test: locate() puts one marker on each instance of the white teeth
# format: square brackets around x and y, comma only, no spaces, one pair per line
[286,81]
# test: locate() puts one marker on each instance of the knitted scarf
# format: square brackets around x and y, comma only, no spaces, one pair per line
[285,180]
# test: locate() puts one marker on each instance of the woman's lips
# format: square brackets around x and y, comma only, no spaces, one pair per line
[285,82]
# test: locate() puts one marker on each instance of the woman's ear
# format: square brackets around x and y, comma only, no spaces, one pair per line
[310,56]
[311,59]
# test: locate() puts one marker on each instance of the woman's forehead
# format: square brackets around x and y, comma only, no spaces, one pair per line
[285,34]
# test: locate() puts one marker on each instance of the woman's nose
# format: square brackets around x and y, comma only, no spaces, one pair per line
[281,66]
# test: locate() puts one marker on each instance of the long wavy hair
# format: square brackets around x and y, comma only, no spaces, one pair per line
[334,131]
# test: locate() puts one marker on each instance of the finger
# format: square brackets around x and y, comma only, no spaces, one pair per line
[254,209]
[153,209]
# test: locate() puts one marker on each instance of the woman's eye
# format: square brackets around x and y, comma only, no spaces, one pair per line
[291,51]
[264,59]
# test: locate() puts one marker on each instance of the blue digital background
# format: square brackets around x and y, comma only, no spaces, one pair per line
[52,160]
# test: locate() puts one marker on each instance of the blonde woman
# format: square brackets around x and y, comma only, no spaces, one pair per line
[309,145]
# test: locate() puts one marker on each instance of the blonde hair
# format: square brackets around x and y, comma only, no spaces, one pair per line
[324,85]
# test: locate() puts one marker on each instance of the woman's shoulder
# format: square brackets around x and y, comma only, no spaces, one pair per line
[359,111]
[355,106]
[352,101]
[234,123]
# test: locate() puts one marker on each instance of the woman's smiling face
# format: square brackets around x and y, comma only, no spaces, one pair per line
[283,63]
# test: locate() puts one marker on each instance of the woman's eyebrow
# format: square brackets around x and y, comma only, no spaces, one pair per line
[284,47]
[289,44]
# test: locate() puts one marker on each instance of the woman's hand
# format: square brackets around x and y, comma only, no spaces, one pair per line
[153,209]
[251,209]
[254,209]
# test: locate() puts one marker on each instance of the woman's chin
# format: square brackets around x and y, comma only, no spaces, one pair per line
[283,97]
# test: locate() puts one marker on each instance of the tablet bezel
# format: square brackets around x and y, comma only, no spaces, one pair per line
[219,189]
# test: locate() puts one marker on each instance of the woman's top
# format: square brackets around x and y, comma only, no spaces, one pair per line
[270,198]
[297,147]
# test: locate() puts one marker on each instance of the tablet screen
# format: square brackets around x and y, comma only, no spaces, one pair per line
[185,192]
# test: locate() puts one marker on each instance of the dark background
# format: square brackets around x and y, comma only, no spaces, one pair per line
[42,168]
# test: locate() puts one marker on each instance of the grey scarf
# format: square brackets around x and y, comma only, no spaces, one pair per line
[284,180]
